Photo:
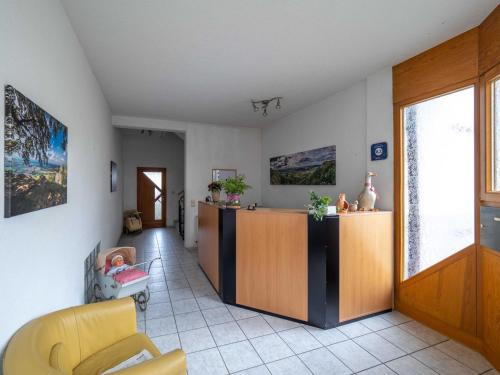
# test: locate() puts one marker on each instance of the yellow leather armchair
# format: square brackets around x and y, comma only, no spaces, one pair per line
[87,340]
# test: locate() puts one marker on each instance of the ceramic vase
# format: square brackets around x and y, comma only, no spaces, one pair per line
[215,196]
[368,196]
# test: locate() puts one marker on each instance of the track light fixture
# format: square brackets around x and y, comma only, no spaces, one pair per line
[263,104]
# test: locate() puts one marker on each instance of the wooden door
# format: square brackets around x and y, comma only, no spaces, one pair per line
[152,196]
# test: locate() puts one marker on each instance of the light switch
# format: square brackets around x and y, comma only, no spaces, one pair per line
[193,202]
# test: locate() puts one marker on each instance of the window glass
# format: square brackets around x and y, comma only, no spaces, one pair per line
[495,127]
[439,179]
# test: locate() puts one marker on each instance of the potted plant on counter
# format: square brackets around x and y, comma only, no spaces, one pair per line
[215,187]
[318,206]
[234,188]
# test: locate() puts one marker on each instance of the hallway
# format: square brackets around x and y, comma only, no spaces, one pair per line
[185,312]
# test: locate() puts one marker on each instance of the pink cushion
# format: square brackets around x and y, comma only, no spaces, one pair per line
[129,275]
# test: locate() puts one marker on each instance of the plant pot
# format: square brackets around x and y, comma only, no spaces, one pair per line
[233,200]
[215,196]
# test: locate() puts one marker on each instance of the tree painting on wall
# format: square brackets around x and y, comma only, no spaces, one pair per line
[313,167]
[35,156]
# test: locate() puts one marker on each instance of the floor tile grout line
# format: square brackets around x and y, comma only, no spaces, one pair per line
[184,267]
[244,334]
[397,346]
[432,346]
[345,364]
[215,342]
[390,343]
[459,361]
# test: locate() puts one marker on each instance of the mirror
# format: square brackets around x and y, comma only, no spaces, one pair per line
[222,174]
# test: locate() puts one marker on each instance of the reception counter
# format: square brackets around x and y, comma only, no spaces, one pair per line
[283,262]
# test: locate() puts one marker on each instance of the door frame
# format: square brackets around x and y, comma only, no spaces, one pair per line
[163,222]
[400,283]
[398,134]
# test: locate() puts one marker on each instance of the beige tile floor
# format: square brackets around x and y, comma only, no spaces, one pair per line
[185,312]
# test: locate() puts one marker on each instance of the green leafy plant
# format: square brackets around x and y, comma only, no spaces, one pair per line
[215,186]
[319,205]
[235,185]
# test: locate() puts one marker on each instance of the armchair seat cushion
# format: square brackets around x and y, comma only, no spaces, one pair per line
[111,356]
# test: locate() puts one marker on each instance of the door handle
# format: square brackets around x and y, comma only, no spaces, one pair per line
[496,219]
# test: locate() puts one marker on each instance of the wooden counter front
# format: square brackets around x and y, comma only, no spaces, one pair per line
[366,264]
[284,262]
[208,241]
[271,261]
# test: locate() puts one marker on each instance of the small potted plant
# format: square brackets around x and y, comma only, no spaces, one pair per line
[234,188]
[319,205]
[215,187]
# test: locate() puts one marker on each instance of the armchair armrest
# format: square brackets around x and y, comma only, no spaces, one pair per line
[173,363]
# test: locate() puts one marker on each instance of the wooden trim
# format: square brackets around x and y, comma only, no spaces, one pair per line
[477,212]
[492,356]
[157,223]
[398,197]
[487,195]
[489,42]
[448,63]
[399,168]
[490,329]
[452,332]
[439,266]
[436,93]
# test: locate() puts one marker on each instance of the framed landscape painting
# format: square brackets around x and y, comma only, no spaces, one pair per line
[313,167]
[36,167]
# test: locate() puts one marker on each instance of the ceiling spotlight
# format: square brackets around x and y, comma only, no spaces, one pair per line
[263,104]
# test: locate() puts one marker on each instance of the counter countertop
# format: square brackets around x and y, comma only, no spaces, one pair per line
[295,210]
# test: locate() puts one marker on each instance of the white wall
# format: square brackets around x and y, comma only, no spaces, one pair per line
[379,126]
[338,120]
[207,147]
[351,119]
[42,253]
[166,151]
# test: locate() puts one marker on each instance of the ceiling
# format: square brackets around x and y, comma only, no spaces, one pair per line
[202,61]
[151,133]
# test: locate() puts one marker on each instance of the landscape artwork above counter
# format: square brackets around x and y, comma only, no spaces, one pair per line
[312,167]
[35,156]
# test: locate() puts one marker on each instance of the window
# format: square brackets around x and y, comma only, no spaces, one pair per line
[438,179]
[494,123]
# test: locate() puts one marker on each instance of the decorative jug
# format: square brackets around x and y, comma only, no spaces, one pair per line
[368,196]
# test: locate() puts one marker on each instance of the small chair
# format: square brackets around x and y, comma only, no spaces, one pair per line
[87,340]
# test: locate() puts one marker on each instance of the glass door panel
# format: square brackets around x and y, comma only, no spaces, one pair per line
[495,131]
[438,179]
[151,196]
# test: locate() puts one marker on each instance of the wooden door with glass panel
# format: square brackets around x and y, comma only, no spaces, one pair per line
[152,196]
